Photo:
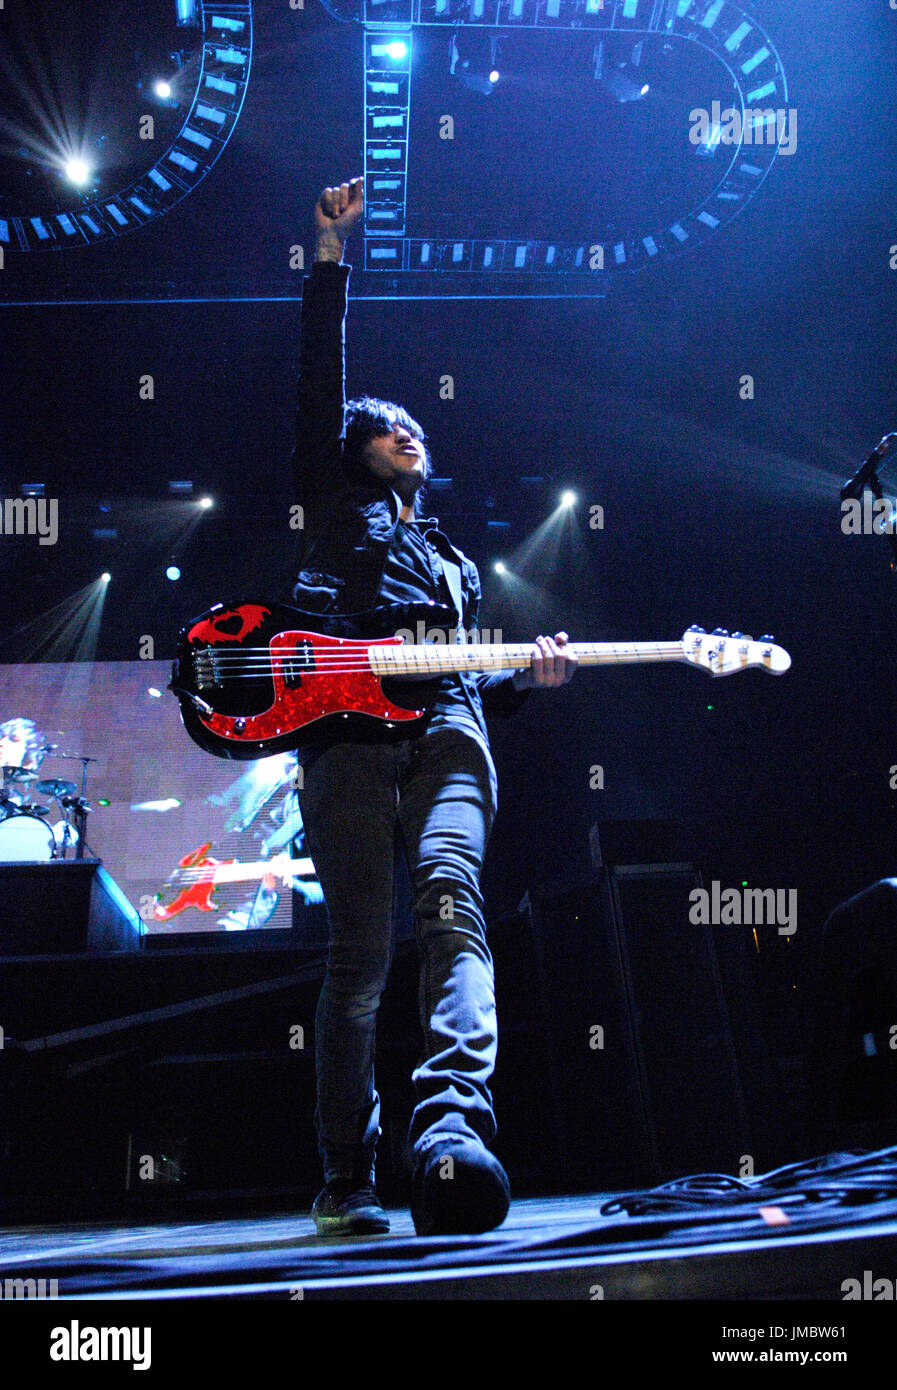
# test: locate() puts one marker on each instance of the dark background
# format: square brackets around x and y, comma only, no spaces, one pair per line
[718,510]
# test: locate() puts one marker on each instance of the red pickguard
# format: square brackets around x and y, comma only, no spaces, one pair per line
[321,692]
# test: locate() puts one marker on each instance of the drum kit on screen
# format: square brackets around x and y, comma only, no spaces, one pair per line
[41,818]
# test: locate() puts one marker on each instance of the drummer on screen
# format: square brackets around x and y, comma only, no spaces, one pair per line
[20,744]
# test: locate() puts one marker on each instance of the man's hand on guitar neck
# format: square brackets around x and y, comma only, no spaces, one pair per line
[336,212]
[551,664]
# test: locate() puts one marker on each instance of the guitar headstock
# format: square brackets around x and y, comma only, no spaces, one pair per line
[722,653]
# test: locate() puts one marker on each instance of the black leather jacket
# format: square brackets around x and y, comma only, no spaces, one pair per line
[349,515]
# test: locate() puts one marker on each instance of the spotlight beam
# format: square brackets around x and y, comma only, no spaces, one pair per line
[69,631]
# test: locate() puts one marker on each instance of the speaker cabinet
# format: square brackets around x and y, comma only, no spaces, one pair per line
[853,1071]
[64,906]
[692,1101]
[641,1061]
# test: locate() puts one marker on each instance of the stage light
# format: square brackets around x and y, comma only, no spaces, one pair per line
[156,694]
[32,489]
[180,487]
[76,171]
[500,567]
[620,85]
[476,81]
[162,90]
[397,50]
[473,60]
[568,498]
[620,76]
[105,577]
[172,572]
[206,502]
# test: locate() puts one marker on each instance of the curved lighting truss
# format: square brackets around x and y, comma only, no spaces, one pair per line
[221,84]
[720,27]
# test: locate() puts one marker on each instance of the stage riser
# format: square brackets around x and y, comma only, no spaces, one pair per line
[660,1096]
[65,905]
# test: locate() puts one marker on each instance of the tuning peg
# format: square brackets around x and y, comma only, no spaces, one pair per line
[720,632]
[694,628]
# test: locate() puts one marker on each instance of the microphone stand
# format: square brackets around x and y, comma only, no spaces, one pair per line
[78,805]
[866,476]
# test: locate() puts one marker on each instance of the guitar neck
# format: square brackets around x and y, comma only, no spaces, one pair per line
[243,873]
[433,659]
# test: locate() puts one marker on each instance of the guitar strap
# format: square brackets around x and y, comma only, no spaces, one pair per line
[452,574]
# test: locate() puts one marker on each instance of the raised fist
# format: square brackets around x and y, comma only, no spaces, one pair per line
[338,209]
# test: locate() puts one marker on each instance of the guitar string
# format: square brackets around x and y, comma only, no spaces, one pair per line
[584,648]
[198,876]
[268,866]
[429,669]
[261,664]
[356,661]
[426,670]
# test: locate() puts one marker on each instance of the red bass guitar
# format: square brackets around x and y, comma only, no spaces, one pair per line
[255,678]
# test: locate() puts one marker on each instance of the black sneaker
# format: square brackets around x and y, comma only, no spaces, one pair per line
[348,1209]
[468,1195]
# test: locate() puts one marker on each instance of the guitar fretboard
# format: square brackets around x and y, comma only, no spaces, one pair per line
[241,873]
[433,659]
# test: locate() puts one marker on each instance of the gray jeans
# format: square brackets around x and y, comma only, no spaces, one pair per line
[439,791]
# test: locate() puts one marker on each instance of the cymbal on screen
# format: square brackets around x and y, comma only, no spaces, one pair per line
[54,786]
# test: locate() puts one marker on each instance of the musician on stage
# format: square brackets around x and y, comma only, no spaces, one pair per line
[359,471]
[21,744]
[250,794]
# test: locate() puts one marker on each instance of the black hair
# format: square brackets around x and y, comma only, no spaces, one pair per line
[28,732]
[366,418]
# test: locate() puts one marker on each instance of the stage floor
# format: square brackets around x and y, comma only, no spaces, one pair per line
[561,1248]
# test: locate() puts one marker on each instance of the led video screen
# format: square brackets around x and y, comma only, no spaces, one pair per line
[196,843]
